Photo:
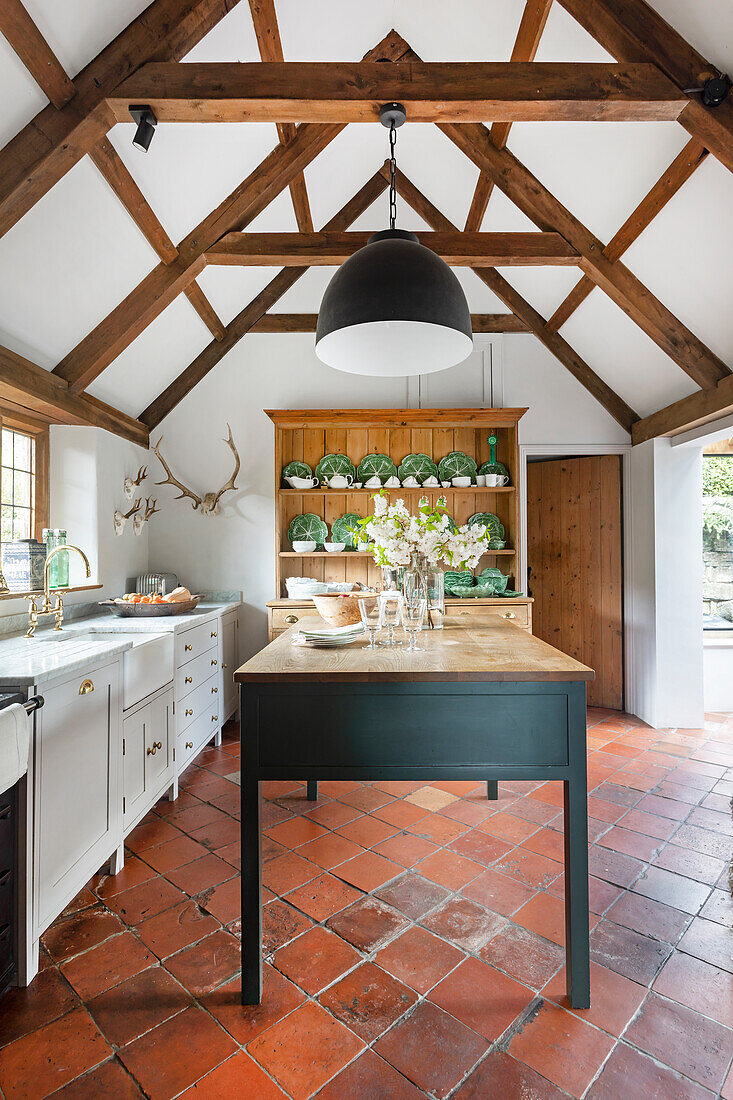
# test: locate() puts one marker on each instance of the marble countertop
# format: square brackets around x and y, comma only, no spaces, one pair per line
[28,661]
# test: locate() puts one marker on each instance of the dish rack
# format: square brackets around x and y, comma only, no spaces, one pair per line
[149,583]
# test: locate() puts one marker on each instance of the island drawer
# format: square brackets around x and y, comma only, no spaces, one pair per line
[203,700]
[198,639]
[195,672]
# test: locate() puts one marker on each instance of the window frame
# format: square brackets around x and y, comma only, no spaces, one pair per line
[38,431]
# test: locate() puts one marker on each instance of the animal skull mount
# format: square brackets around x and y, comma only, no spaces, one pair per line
[209,503]
[121,518]
[139,521]
[130,483]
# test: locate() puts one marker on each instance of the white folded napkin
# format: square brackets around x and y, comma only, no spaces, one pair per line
[15,732]
[333,631]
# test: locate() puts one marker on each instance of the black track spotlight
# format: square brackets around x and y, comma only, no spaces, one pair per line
[146,123]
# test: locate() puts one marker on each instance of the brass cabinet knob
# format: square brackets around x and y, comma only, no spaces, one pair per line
[213,634]
[189,744]
[290,619]
[225,665]
[509,615]
[188,679]
[159,744]
[86,687]
[214,691]
[215,718]
[213,662]
[188,712]
[187,648]
[151,752]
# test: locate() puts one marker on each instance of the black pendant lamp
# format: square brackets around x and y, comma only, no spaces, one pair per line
[395,307]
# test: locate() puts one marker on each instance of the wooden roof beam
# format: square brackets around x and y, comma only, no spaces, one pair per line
[632,31]
[34,51]
[327,249]
[527,41]
[608,398]
[306,322]
[680,170]
[341,92]
[56,139]
[702,407]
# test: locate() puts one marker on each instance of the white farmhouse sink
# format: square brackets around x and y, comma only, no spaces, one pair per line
[146,667]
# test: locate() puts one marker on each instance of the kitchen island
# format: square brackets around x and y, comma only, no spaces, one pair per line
[484,701]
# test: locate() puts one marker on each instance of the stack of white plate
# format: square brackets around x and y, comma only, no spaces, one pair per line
[328,637]
[304,587]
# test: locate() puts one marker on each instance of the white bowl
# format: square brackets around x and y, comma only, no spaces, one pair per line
[334,547]
[304,547]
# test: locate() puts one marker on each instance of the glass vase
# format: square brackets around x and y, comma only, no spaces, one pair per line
[430,582]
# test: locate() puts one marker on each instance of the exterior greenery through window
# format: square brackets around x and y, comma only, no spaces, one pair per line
[18,485]
[718,539]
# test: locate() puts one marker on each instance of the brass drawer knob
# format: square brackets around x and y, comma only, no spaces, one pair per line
[290,619]
[188,712]
[214,691]
[187,648]
[189,744]
[213,662]
[159,744]
[213,634]
[86,688]
[509,615]
[152,751]
[188,679]
[225,665]
[215,718]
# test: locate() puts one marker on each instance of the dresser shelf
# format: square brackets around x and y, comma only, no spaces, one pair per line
[422,491]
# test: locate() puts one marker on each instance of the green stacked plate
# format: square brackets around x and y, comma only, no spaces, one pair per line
[419,466]
[377,465]
[335,464]
[455,578]
[457,464]
[308,527]
[493,468]
[489,520]
[340,529]
[297,469]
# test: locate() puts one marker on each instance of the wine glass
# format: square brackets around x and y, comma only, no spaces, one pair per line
[370,617]
[390,614]
[414,609]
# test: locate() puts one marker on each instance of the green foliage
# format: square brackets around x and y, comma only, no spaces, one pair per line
[717,476]
[717,519]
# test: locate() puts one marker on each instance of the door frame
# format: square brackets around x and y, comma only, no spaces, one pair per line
[581,450]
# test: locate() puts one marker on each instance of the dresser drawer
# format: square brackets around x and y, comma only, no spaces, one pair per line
[191,643]
[196,734]
[281,618]
[195,672]
[518,615]
[204,700]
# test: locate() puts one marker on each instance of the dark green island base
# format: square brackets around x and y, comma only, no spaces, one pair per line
[486,702]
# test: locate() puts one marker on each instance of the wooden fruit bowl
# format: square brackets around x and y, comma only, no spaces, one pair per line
[339,610]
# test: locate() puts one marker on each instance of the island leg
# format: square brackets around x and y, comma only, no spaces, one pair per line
[251,873]
[492,790]
[575,802]
[312,790]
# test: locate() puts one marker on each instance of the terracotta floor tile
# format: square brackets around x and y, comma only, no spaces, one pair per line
[480,847]
[80,932]
[463,922]
[107,964]
[719,907]
[195,816]
[548,843]
[695,865]
[172,854]
[332,815]
[683,1039]
[245,1022]
[400,814]
[206,964]
[412,894]
[468,811]
[405,849]
[367,831]
[651,918]
[630,1073]
[614,999]
[710,942]
[365,798]
[137,1005]
[551,793]
[717,845]
[614,867]
[545,1041]
[201,874]
[278,788]
[110,1080]
[482,998]
[150,833]
[368,924]
[398,787]
[232,853]
[305,1050]
[287,872]
[699,986]
[628,953]
[25,1009]
[238,1076]
[500,1075]
[438,828]
[675,890]
[498,892]
[316,959]
[507,827]
[132,874]
[431,798]
[329,850]
[419,959]
[218,833]
[649,824]
[142,902]
[368,871]
[664,807]
[323,896]
[168,1059]
[530,868]
[175,928]
[280,924]
[529,958]
[630,843]
[449,869]
[39,1063]
[223,901]
[431,1049]
[368,1001]
[545,915]
[531,810]
[83,900]
[296,831]
[369,1078]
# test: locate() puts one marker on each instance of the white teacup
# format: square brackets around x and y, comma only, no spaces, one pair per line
[303,482]
[431,482]
[304,547]
[480,479]
[460,482]
[446,484]
[392,482]
[495,481]
[373,482]
[411,482]
[356,485]
[334,547]
[339,481]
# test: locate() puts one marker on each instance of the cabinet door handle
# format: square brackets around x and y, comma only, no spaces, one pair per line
[214,691]
[189,744]
[213,634]
[225,665]
[152,752]
[213,662]
[187,648]
[188,712]
[509,615]
[86,687]
[188,679]
[290,619]
[159,744]
[215,718]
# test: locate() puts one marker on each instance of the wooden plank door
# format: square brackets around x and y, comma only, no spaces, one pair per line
[575,563]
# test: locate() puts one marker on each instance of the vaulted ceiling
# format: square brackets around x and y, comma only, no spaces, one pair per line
[118,279]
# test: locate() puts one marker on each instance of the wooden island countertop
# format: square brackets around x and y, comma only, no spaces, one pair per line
[463,652]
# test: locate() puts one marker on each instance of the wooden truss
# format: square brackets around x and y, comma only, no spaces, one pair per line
[654,77]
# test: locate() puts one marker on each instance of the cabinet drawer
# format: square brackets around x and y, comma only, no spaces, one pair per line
[204,700]
[193,674]
[284,617]
[197,640]
[196,734]
[518,615]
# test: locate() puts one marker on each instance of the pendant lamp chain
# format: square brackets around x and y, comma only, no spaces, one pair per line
[392,174]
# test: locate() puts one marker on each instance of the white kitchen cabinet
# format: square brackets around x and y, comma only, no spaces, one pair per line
[229,661]
[147,756]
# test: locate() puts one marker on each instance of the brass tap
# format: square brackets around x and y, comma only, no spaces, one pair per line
[58,609]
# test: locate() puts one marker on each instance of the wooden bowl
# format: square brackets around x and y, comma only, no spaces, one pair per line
[338,610]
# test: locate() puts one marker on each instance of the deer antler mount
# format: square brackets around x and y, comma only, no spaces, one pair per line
[209,502]
[139,519]
[131,483]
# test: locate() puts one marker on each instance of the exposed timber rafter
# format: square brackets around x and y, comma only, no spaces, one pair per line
[17,27]
[306,322]
[702,407]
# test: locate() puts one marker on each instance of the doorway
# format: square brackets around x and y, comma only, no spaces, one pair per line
[575,565]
